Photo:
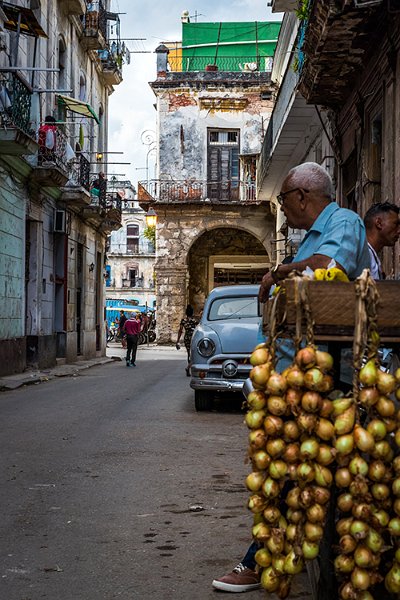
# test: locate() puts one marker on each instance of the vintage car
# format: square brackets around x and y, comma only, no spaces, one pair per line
[223,341]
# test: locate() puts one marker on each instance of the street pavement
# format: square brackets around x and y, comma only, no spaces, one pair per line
[112,486]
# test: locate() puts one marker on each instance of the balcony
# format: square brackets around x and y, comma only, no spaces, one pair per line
[75,7]
[77,191]
[104,211]
[51,168]
[111,64]
[16,135]
[196,192]
[240,64]
[94,34]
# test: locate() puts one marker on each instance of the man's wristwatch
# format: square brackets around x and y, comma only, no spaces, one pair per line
[275,274]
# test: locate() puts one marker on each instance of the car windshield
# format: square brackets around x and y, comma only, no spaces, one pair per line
[233,308]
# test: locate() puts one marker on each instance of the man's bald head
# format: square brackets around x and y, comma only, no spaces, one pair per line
[311,176]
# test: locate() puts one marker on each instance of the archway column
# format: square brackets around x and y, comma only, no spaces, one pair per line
[171,285]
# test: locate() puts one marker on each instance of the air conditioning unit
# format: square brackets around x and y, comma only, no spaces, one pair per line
[367,3]
[60,221]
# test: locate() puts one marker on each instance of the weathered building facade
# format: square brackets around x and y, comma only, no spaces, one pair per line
[211,229]
[130,255]
[57,70]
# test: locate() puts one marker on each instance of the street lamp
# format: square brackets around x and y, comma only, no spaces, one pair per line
[151,217]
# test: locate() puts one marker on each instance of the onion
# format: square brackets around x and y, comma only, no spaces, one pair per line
[386,383]
[397,555]
[310,549]
[293,564]
[347,592]
[293,398]
[377,429]
[396,487]
[278,561]
[385,407]
[321,494]
[257,438]
[323,476]
[358,488]
[358,466]
[326,455]
[380,517]
[276,405]
[256,400]
[278,469]
[345,502]
[369,373]
[305,472]
[344,444]
[364,595]
[347,544]
[397,438]
[311,401]
[254,481]
[396,507]
[359,529]
[272,514]
[343,477]
[255,418]
[314,379]
[360,579]
[295,377]
[306,357]
[313,531]
[270,488]
[362,556]
[340,405]
[396,465]
[309,449]
[344,423]
[259,376]
[263,557]
[294,516]
[391,424]
[324,360]
[327,384]
[326,408]
[363,439]
[380,491]
[256,503]
[276,384]
[291,431]
[316,513]
[392,579]
[273,425]
[306,422]
[293,498]
[368,396]
[325,430]
[344,563]
[383,451]
[260,460]
[292,471]
[397,375]
[306,497]
[276,447]
[394,527]
[343,526]
[260,356]
[275,543]
[261,532]
[270,579]
[292,453]
[361,511]
[284,587]
[291,532]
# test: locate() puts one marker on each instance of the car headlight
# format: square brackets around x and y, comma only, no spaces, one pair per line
[206,347]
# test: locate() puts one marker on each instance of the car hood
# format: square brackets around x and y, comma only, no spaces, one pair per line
[237,336]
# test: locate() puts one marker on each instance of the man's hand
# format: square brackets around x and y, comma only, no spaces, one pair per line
[266,283]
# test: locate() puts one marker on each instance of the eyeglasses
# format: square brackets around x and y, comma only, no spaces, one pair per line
[281,197]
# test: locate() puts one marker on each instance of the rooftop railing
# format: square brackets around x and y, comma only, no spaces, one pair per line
[15,102]
[248,64]
[197,191]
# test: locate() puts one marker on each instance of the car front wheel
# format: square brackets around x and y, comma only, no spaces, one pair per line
[202,400]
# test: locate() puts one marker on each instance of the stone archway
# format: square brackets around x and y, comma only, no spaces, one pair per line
[223,256]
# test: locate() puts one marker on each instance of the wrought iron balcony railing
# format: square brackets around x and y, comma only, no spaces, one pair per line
[197,191]
[52,147]
[15,102]
[95,19]
[246,64]
[80,172]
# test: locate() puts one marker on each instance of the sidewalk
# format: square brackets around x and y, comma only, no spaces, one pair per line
[115,352]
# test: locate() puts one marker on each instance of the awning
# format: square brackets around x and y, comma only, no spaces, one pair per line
[29,25]
[77,106]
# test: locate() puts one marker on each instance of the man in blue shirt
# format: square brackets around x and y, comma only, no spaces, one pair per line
[306,200]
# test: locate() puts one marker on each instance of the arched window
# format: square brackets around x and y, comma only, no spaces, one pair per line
[132,239]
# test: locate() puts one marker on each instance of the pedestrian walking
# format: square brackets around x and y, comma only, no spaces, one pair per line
[188,324]
[132,330]
[121,327]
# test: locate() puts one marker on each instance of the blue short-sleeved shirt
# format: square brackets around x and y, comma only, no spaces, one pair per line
[340,234]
